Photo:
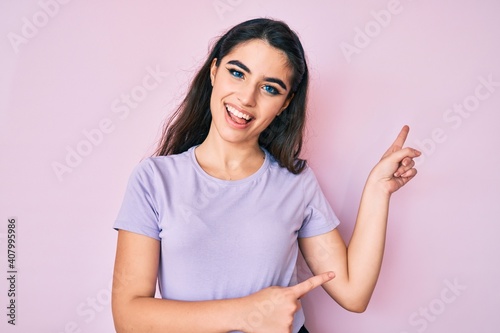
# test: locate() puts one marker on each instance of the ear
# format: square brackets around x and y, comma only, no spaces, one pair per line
[285,105]
[213,70]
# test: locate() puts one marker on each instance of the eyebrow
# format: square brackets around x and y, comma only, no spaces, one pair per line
[268,79]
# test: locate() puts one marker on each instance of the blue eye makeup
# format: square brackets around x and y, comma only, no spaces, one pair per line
[235,73]
[271,90]
[267,88]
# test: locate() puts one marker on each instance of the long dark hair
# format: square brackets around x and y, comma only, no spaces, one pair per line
[190,123]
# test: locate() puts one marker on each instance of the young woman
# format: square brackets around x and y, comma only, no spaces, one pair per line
[219,215]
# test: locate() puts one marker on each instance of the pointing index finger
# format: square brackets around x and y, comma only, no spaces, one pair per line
[400,140]
[306,286]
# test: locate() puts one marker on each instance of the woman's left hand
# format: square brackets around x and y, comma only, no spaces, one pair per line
[397,167]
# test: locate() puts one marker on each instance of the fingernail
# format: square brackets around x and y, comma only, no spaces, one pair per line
[331,275]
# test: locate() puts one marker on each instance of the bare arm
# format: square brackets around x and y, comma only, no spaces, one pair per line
[135,309]
[357,266]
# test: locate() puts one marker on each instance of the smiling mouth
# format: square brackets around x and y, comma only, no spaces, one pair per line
[237,116]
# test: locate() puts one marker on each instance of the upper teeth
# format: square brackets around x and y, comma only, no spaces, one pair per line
[237,113]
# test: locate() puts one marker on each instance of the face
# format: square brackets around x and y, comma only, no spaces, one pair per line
[251,86]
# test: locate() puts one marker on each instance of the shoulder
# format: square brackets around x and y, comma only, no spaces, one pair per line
[159,166]
[303,179]
[275,167]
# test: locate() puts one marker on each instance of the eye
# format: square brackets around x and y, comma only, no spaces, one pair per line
[235,73]
[271,90]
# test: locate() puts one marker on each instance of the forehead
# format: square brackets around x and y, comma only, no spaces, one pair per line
[261,58]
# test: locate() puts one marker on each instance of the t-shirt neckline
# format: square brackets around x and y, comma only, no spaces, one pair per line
[263,168]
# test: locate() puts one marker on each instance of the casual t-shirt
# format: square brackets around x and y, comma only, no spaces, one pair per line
[223,239]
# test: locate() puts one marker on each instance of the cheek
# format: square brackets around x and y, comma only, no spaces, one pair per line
[217,91]
[272,107]
[214,104]
[220,88]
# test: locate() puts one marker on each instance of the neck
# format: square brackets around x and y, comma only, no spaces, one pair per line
[227,160]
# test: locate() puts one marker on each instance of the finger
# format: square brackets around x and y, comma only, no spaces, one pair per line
[404,166]
[304,287]
[409,174]
[403,134]
[407,161]
[400,155]
[400,140]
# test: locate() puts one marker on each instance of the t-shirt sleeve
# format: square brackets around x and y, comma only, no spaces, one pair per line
[319,217]
[139,213]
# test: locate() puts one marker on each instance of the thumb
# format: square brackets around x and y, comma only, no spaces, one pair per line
[401,154]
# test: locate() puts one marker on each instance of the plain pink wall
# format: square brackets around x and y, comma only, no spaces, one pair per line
[376,65]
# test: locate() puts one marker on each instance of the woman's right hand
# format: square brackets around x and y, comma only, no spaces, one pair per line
[272,310]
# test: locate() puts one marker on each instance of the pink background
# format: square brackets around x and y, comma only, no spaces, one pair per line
[65,66]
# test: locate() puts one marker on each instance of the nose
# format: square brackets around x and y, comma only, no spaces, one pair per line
[246,95]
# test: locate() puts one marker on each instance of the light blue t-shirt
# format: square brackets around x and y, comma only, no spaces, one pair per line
[223,239]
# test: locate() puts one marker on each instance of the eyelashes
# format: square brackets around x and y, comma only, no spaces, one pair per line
[267,88]
[235,73]
[271,90]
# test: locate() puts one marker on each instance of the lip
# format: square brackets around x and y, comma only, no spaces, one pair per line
[231,121]
[240,109]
